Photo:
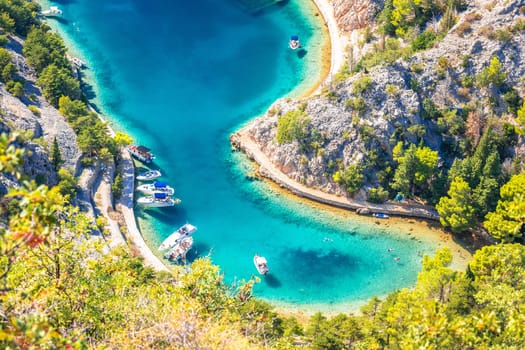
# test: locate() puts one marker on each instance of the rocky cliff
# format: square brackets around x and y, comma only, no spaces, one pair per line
[359,114]
[45,123]
[355,14]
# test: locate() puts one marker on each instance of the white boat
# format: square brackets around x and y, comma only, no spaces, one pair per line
[149,175]
[184,231]
[158,200]
[180,249]
[156,187]
[53,11]
[261,264]
[380,215]
[294,42]
[141,153]
[77,62]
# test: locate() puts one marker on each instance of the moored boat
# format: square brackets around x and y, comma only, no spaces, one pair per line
[380,215]
[261,264]
[141,153]
[53,11]
[180,249]
[156,187]
[294,42]
[149,175]
[158,200]
[184,231]
[77,62]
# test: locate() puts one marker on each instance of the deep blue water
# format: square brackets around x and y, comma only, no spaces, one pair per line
[179,77]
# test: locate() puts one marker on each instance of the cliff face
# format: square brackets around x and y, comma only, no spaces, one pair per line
[355,14]
[47,124]
[394,98]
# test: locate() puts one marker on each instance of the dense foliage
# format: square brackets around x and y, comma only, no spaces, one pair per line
[59,290]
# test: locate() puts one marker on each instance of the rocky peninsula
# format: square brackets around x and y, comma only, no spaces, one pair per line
[367,108]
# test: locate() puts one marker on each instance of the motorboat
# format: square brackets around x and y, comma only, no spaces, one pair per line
[184,231]
[77,62]
[141,153]
[261,264]
[294,42]
[149,175]
[179,250]
[53,11]
[158,200]
[380,215]
[155,187]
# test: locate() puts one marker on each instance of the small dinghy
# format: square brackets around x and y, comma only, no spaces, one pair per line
[294,42]
[184,231]
[380,215]
[261,264]
[149,175]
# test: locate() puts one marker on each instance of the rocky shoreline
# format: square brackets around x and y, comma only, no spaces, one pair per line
[242,140]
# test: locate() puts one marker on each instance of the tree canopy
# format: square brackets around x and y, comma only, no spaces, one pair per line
[507,222]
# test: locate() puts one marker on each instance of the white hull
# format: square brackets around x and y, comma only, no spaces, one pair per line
[155,203]
[141,153]
[52,12]
[180,250]
[261,264]
[151,189]
[149,175]
[183,232]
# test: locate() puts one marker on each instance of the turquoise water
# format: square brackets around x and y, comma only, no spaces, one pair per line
[179,77]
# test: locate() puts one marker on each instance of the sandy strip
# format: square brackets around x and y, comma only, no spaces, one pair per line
[337,41]
[125,206]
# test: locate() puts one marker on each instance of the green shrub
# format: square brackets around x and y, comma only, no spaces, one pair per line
[513,100]
[357,104]
[424,41]
[378,195]
[417,67]
[430,111]
[34,109]
[117,186]
[362,84]
[467,81]
[391,90]
[294,125]
[414,85]
[351,178]
[519,25]
[16,88]
[504,35]
[492,74]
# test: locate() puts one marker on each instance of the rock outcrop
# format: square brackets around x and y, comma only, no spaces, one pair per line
[355,14]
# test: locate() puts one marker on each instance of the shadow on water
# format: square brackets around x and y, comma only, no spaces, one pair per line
[301,53]
[271,281]
[88,91]
[319,265]
[165,215]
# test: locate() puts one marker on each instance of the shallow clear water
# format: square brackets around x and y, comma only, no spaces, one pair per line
[180,76]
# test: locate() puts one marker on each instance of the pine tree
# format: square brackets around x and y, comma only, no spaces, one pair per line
[56,156]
